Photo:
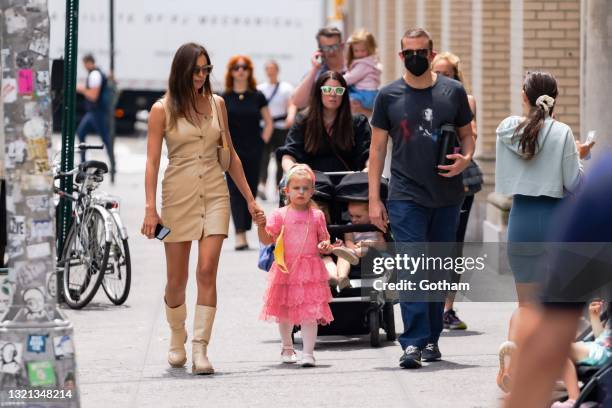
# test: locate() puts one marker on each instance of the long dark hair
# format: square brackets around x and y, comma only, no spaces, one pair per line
[315,134]
[181,98]
[536,84]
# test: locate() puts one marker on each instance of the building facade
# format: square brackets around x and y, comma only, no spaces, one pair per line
[498,41]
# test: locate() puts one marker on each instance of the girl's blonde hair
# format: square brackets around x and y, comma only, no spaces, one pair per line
[453,60]
[300,171]
[364,37]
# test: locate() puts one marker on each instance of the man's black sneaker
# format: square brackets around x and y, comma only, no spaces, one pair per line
[411,358]
[431,352]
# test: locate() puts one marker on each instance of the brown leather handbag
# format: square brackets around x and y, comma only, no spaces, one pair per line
[224,154]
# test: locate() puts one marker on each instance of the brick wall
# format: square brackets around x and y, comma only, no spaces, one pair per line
[433,20]
[552,43]
[551,32]
[461,37]
[495,69]
[388,54]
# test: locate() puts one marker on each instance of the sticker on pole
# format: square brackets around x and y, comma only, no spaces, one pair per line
[37,343]
[63,347]
[25,82]
[41,373]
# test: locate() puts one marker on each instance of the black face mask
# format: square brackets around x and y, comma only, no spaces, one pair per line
[416,64]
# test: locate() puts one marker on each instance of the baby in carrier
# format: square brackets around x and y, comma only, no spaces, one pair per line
[356,243]
[592,353]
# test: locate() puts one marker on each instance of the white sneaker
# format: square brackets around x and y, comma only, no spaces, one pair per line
[308,360]
[346,253]
[288,358]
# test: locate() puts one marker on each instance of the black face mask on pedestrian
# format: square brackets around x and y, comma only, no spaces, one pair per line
[416,64]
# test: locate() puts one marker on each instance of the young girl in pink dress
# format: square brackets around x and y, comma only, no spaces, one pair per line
[298,292]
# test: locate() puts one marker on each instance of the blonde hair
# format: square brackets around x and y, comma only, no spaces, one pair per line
[453,60]
[358,37]
[300,171]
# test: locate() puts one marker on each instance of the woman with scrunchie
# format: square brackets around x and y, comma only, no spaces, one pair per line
[538,163]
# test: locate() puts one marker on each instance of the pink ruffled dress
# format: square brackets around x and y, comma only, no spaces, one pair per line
[302,295]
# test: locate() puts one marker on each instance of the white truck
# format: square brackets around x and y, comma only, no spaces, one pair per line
[148,32]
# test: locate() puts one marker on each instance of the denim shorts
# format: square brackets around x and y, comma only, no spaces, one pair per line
[598,354]
[364,96]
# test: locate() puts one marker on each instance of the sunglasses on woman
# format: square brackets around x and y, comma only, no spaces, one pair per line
[204,69]
[336,90]
[240,67]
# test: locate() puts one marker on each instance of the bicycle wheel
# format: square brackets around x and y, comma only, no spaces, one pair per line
[85,257]
[118,273]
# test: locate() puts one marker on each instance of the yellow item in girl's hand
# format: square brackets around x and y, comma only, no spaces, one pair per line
[279,252]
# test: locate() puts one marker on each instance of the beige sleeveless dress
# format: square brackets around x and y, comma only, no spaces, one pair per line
[195,198]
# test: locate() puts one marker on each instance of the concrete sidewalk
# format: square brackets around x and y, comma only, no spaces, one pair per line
[121,351]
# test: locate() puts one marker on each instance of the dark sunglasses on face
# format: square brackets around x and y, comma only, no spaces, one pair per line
[423,52]
[337,90]
[328,49]
[205,69]
[239,67]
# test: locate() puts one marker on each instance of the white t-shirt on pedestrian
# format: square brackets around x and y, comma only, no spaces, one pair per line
[94,79]
[279,104]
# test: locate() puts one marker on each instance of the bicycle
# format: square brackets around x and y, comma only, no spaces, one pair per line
[96,251]
[117,275]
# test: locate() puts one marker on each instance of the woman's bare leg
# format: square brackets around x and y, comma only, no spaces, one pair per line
[209,251]
[177,272]
[570,378]
[523,321]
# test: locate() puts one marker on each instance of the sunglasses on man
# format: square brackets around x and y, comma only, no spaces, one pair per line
[330,49]
[423,52]
[204,69]
[335,90]
[239,67]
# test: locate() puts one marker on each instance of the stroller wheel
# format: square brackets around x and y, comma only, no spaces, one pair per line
[389,321]
[374,324]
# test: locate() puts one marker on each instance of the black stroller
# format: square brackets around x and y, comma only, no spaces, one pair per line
[594,378]
[360,309]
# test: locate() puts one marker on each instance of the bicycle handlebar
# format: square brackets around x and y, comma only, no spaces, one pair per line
[85,146]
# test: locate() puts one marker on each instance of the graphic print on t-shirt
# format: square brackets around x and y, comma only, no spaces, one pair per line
[426,125]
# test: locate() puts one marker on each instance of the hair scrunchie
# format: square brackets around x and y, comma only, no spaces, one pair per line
[545,102]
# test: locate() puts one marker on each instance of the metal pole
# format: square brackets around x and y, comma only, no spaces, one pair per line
[112,88]
[68,117]
[36,340]
[112,37]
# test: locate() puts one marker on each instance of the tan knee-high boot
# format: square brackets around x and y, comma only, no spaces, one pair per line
[202,329]
[177,356]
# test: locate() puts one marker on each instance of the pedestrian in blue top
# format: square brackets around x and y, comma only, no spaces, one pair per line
[97,106]
[424,200]
[538,163]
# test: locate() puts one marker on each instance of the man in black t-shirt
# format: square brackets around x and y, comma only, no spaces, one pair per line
[424,199]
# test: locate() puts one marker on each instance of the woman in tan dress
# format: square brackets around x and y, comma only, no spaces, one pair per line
[195,198]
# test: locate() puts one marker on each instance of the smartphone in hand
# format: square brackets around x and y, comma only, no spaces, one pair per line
[161,232]
[590,140]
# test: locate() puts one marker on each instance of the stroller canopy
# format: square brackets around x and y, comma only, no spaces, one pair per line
[354,187]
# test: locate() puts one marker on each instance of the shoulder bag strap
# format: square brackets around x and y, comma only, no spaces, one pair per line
[221,126]
[274,92]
